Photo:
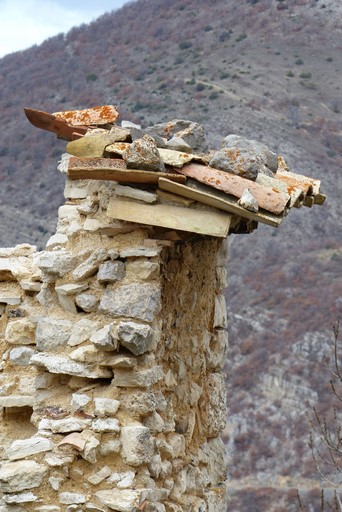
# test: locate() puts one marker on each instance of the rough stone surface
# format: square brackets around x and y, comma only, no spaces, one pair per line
[143,154]
[57,262]
[52,334]
[106,425]
[269,157]
[18,476]
[248,201]
[138,379]
[82,331]
[136,300]
[136,337]
[103,338]
[192,133]
[137,445]
[65,425]
[21,355]
[111,271]
[90,265]
[25,447]
[242,162]
[120,500]
[106,406]
[69,498]
[64,365]
[20,332]
[87,302]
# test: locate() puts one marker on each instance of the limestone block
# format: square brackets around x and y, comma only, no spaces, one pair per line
[138,379]
[70,288]
[154,423]
[142,403]
[26,447]
[58,262]
[106,406]
[196,504]
[121,500]
[64,425]
[31,286]
[90,450]
[58,461]
[217,353]
[68,498]
[15,267]
[20,332]
[109,446]
[137,445]
[143,269]
[215,454]
[69,219]
[136,300]
[81,331]
[104,340]
[139,252]
[55,482]
[135,193]
[15,499]
[17,401]
[220,314]
[214,410]
[90,266]
[47,296]
[52,334]
[21,355]
[85,354]
[76,189]
[57,240]
[217,499]
[63,364]
[97,477]
[179,488]
[137,338]
[106,425]
[18,250]
[222,255]
[173,446]
[122,480]
[172,507]
[18,476]
[221,277]
[87,302]
[111,271]
[79,400]
[67,302]
[47,508]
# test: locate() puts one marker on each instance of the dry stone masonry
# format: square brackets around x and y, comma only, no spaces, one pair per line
[114,337]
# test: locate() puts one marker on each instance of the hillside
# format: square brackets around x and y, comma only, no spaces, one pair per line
[269,70]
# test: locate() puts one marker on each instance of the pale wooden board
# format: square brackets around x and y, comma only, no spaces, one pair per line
[202,222]
[212,197]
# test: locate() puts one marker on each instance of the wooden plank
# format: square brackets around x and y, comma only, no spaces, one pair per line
[275,202]
[175,198]
[111,169]
[193,220]
[217,199]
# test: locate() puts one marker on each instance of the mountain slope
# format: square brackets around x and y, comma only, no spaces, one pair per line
[266,69]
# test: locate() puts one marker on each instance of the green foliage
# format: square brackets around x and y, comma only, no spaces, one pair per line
[241,37]
[207,28]
[91,77]
[200,87]
[184,45]
[290,74]
[330,59]
[214,95]
[306,75]
[299,62]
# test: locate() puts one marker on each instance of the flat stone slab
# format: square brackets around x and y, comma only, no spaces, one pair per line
[63,364]
[21,475]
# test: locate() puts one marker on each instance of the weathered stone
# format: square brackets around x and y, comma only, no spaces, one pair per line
[119,361]
[47,508]
[137,445]
[220,313]
[106,425]
[90,450]
[122,480]
[55,482]
[217,499]
[11,300]
[63,364]
[143,154]
[57,240]
[15,499]
[106,406]
[269,157]
[137,338]
[57,262]
[135,193]
[137,252]
[136,300]
[31,286]
[20,332]
[121,500]
[99,476]
[70,289]
[154,423]
[15,268]
[18,476]
[87,302]
[192,133]
[18,250]
[111,271]
[58,461]
[104,340]
[85,354]
[82,331]
[178,144]
[218,350]
[141,403]
[68,498]
[69,220]
[67,302]
[52,334]
[79,400]
[248,201]
[17,401]
[90,265]
[139,379]
[213,405]
[143,270]
[47,296]
[21,355]
[26,447]
[64,425]
[110,446]
[242,162]
[76,189]
[173,446]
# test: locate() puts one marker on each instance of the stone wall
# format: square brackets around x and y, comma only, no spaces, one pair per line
[113,341]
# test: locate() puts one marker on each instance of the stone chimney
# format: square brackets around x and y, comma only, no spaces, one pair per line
[114,337]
